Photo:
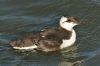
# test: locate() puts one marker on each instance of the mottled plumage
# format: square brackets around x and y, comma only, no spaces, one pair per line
[50,39]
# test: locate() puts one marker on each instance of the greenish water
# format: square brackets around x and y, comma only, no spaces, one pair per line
[20,16]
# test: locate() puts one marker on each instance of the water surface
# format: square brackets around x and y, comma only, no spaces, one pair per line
[18,17]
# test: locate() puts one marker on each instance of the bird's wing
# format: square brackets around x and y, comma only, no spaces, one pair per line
[51,37]
[50,43]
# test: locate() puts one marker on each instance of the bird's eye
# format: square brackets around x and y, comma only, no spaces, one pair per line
[68,20]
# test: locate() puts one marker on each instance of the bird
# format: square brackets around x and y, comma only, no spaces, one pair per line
[49,39]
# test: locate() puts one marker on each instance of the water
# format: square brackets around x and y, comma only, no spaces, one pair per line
[18,17]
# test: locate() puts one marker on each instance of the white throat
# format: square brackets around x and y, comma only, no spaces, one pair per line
[67,26]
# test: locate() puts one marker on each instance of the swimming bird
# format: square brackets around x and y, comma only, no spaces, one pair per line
[50,39]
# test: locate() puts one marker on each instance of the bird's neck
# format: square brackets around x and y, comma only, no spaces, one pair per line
[68,28]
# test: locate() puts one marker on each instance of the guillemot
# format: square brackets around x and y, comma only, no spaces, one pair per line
[50,39]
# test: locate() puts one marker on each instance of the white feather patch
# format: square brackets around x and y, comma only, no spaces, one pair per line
[26,48]
[63,19]
[67,43]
